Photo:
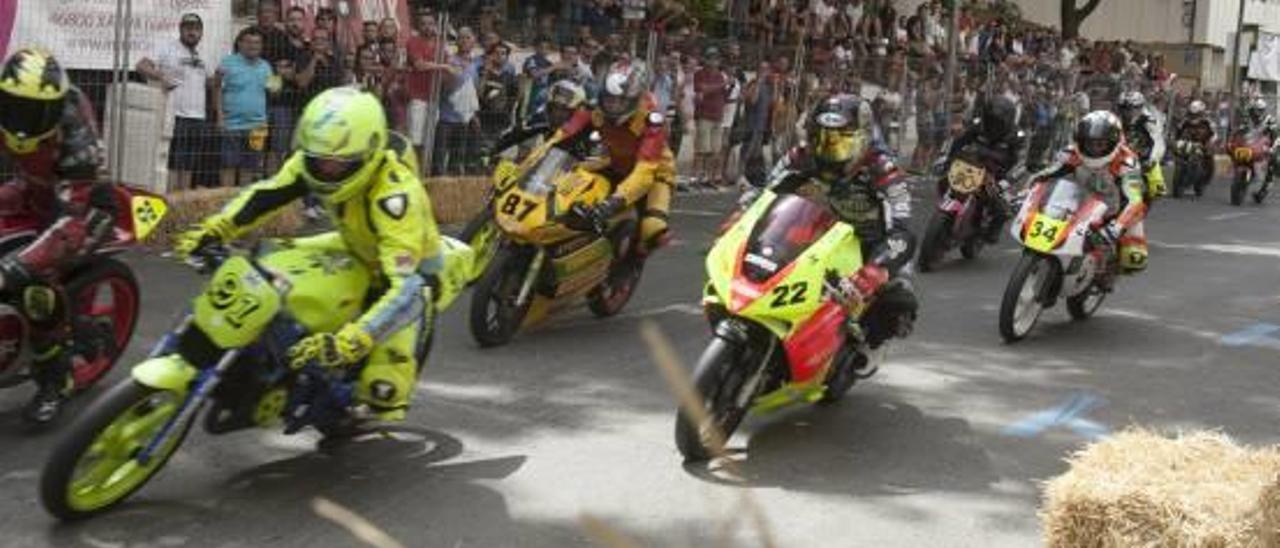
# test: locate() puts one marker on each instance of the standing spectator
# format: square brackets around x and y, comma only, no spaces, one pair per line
[368,34]
[497,89]
[730,166]
[454,133]
[389,30]
[686,109]
[711,86]
[421,50]
[537,72]
[759,99]
[185,77]
[570,66]
[293,68]
[325,65]
[373,75]
[240,107]
[274,38]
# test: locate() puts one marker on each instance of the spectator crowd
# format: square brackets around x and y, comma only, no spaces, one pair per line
[733,86]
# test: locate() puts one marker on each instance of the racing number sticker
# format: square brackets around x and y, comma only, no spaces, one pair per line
[512,205]
[793,294]
[227,296]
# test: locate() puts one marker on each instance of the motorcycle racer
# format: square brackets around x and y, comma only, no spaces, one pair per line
[1196,129]
[347,159]
[1144,133]
[49,136]
[1100,159]
[1257,117]
[865,188]
[633,133]
[994,128]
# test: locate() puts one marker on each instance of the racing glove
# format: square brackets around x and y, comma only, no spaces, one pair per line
[346,347]
[864,283]
[214,230]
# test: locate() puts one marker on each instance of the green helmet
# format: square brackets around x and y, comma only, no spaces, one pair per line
[341,136]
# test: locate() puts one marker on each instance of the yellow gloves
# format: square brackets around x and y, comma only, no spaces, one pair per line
[212,230]
[346,347]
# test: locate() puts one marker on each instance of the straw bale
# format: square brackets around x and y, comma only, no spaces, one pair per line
[457,199]
[1139,488]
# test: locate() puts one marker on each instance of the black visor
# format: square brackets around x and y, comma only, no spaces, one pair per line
[29,117]
[332,170]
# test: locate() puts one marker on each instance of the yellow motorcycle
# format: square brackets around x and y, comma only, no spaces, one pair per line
[540,247]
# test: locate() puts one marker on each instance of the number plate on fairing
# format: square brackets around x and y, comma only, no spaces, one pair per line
[966,178]
[1044,233]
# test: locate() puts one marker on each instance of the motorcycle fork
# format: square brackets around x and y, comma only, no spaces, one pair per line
[531,276]
[749,389]
[205,383]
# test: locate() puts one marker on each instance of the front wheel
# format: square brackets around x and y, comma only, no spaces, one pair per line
[612,294]
[495,315]
[718,379]
[937,240]
[1021,306]
[96,465]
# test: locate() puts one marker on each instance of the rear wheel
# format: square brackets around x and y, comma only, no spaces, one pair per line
[1238,187]
[1083,306]
[1021,306]
[96,465]
[718,379]
[495,316]
[104,311]
[937,240]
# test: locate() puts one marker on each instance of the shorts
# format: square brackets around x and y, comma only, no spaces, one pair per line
[190,142]
[708,137]
[282,121]
[417,121]
[236,153]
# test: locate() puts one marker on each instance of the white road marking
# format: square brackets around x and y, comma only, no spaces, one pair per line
[1228,216]
[1232,249]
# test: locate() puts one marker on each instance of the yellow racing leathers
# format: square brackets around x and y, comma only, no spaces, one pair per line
[390,228]
[641,165]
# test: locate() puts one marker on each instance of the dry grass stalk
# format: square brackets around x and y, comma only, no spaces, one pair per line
[1138,488]
[457,199]
[358,526]
[604,535]
[680,384]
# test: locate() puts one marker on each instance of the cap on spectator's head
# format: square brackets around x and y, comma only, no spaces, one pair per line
[712,53]
[326,13]
[190,19]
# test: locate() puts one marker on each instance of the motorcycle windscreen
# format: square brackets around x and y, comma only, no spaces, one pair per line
[1063,200]
[541,180]
[792,224]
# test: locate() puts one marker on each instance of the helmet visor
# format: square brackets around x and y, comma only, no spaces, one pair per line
[838,145]
[564,97]
[1096,147]
[29,118]
[614,105]
[330,172]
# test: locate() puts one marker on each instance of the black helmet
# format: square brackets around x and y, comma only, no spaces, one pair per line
[1098,137]
[997,118]
[1257,110]
[838,130]
[1132,105]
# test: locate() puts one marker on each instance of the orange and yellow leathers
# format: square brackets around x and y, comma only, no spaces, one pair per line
[641,165]
[1124,174]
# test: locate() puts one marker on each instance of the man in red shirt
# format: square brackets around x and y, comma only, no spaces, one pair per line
[711,92]
[420,50]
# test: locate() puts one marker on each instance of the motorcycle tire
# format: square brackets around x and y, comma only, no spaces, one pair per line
[56,480]
[936,240]
[718,379]
[494,316]
[843,376]
[81,288]
[1081,307]
[612,295]
[13,245]
[1011,329]
[972,248]
[1238,188]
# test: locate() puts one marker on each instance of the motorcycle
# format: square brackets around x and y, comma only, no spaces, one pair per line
[784,332]
[102,291]
[226,357]
[540,247]
[1250,154]
[1063,255]
[1194,168]
[964,213]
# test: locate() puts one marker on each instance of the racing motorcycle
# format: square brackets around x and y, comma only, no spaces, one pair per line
[227,358]
[1194,168]
[102,291]
[1063,255]
[784,330]
[1250,154]
[965,212]
[542,248]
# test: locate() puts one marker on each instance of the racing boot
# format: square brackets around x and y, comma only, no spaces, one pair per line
[51,371]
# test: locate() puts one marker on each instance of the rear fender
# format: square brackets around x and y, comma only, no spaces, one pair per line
[169,372]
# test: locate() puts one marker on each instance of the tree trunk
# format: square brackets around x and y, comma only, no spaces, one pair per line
[1073,16]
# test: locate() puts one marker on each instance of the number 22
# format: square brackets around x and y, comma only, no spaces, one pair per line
[793,294]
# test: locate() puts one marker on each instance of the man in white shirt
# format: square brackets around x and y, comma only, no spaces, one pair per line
[185,77]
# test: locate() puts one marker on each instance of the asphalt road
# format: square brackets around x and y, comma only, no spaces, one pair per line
[947,446]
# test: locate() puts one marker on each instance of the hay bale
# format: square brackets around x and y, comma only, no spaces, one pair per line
[1138,488]
[457,199]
